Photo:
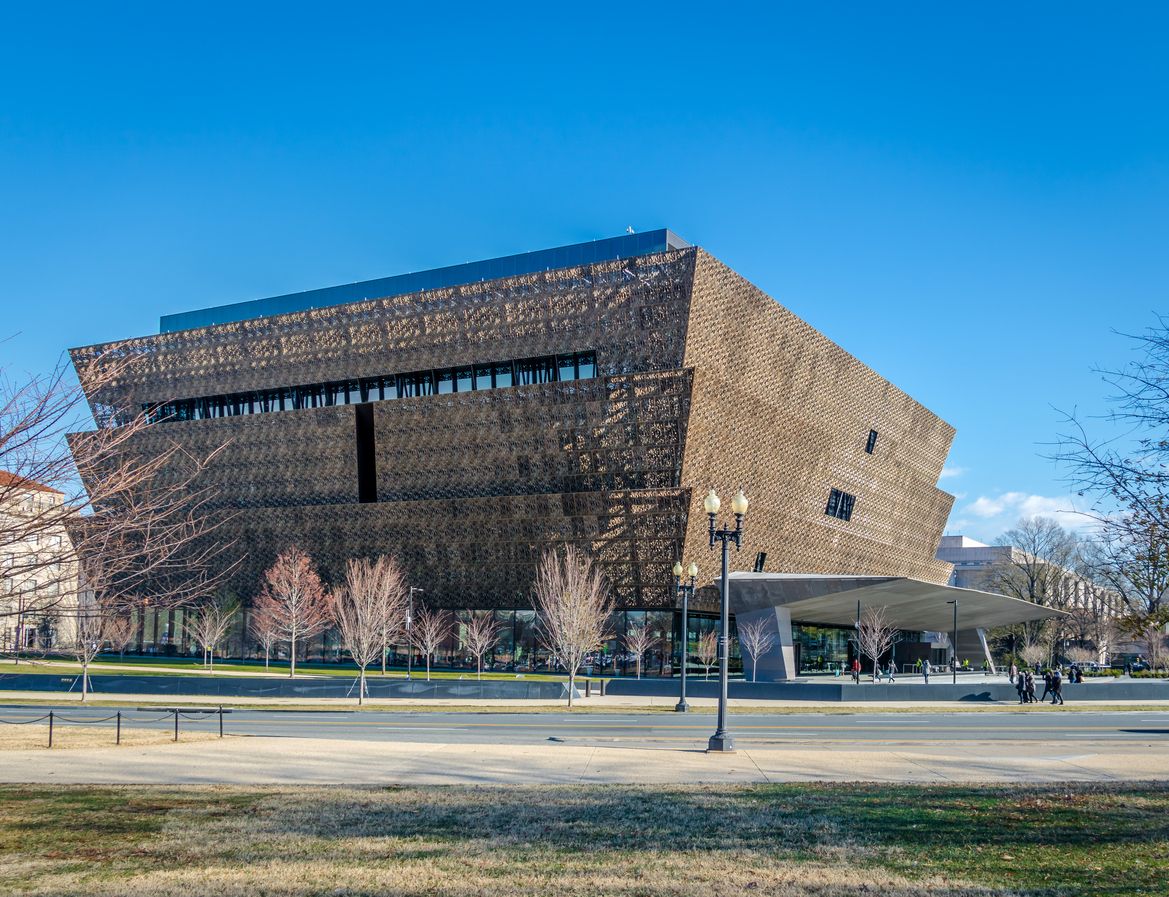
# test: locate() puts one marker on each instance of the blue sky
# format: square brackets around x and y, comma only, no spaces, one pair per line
[971,199]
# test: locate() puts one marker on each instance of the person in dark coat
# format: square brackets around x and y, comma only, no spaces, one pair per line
[925,671]
[1021,687]
[1030,688]
[1056,687]
[1046,686]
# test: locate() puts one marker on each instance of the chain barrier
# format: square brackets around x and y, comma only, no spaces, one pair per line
[195,716]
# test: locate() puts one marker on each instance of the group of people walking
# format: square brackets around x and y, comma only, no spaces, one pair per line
[1025,681]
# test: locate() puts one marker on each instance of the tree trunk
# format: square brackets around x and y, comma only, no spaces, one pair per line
[638,666]
[211,658]
[292,657]
[754,670]
[267,652]
[479,668]
[571,686]
[427,667]
[361,689]
[84,678]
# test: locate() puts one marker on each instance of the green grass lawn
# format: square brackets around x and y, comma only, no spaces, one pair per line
[171,666]
[829,840]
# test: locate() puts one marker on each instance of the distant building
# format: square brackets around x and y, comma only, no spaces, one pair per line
[977,565]
[38,569]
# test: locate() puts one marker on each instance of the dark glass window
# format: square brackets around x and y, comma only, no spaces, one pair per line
[840,505]
[872,441]
[567,367]
[587,365]
[497,375]
[482,376]
[503,375]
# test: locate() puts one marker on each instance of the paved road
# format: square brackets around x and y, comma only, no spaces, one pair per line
[656,729]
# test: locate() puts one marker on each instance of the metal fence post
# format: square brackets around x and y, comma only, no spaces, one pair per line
[220,720]
[176,724]
[119,737]
[50,728]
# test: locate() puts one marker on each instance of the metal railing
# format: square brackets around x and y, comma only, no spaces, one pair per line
[191,714]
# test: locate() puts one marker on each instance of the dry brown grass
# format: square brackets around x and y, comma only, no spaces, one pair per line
[65,737]
[830,841]
[332,841]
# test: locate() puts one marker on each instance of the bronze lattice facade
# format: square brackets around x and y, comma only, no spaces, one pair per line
[686,376]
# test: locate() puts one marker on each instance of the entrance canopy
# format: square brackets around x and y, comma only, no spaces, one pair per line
[909,604]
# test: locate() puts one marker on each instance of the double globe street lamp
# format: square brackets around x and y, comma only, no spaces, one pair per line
[721,740]
[685,592]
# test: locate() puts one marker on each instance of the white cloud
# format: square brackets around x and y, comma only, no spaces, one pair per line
[988,516]
[950,472]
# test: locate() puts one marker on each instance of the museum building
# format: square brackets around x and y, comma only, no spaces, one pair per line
[465,419]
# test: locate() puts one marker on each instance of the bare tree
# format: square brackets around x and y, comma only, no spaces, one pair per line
[638,640]
[756,638]
[120,507]
[481,634]
[573,604]
[94,620]
[706,651]
[874,635]
[1131,557]
[120,632]
[429,631]
[1033,654]
[296,599]
[371,603]
[264,628]
[1043,565]
[1128,471]
[1081,655]
[210,621]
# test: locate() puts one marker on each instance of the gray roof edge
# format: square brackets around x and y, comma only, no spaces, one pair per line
[568,256]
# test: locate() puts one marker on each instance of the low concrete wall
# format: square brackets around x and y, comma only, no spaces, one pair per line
[972,690]
[248,687]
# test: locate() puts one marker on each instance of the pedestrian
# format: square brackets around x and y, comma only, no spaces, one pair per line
[1046,685]
[892,672]
[856,670]
[1021,688]
[917,666]
[925,671]
[1056,687]
[1014,672]
[1030,687]
[1128,669]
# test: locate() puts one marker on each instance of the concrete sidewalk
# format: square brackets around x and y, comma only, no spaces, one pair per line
[290,761]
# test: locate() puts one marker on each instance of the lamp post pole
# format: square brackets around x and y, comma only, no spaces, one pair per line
[685,591]
[721,740]
[409,624]
[954,652]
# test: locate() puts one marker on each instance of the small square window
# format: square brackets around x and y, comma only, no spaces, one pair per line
[840,505]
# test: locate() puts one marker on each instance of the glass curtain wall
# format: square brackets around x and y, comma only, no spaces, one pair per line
[518,649]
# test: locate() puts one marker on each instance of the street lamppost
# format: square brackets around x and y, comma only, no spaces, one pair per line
[685,590]
[721,740]
[954,646]
[410,623]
